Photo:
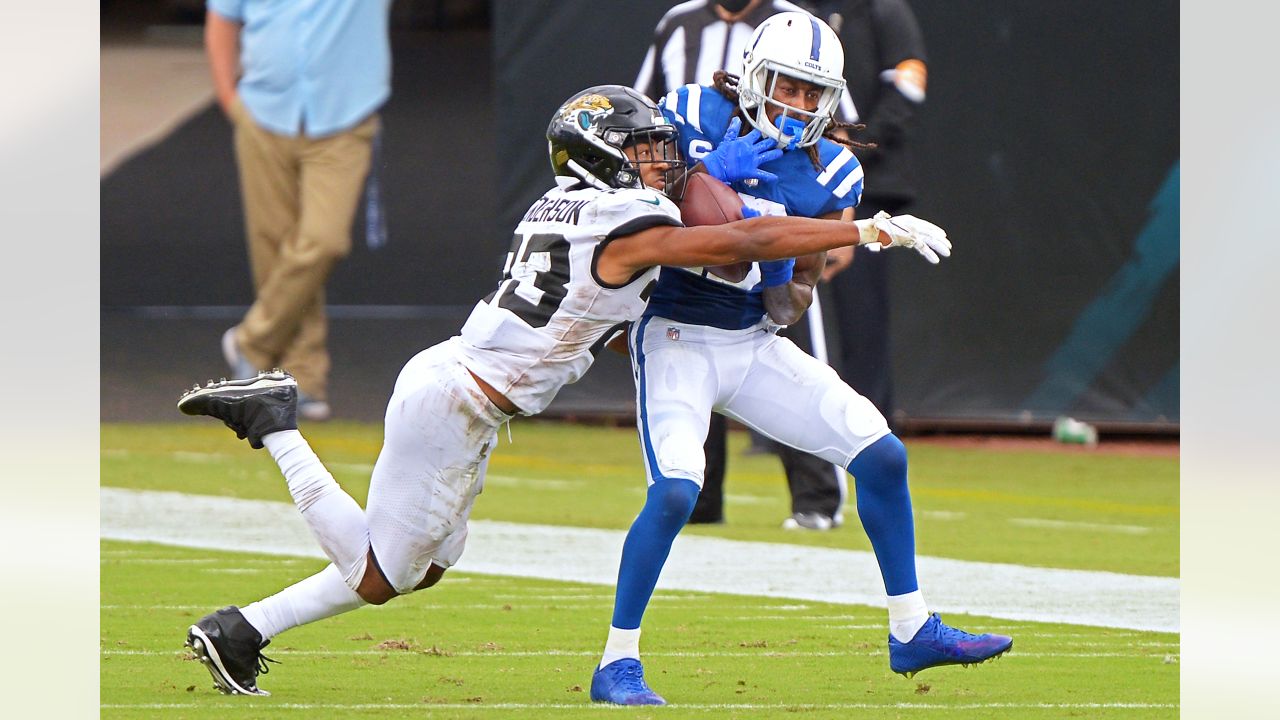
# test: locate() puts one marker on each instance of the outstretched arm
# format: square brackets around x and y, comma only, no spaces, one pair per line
[838,260]
[762,238]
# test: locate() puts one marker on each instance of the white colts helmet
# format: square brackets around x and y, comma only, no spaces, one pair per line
[801,46]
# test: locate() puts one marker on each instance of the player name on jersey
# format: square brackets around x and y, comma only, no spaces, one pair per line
[549,209]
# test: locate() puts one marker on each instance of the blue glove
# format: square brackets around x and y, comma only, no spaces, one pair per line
[740,158]
[776,272]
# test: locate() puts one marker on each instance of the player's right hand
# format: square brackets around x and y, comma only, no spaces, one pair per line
[739,158]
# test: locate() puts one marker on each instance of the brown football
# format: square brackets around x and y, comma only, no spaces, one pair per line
[707,201]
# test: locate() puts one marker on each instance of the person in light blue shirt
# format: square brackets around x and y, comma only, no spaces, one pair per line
[302,83]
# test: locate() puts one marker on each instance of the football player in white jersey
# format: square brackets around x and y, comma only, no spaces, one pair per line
[707,343]
[582,264]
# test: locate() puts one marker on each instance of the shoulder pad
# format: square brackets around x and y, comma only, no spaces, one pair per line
[697,106]
[841,173]
[626,203]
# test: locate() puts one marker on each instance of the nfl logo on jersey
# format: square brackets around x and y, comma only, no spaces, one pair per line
[673,333]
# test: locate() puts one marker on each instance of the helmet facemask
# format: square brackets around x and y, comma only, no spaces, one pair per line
[652,145]
[799,127]
[655,144]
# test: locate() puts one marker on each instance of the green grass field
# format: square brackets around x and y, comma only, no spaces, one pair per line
[497,647]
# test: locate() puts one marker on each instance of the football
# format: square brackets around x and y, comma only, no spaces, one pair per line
[707,201]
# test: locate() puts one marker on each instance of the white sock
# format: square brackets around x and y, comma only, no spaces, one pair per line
[907,612]
[336,520]
[621,644]
[320,596]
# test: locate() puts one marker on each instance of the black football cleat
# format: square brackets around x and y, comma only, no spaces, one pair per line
[231,649]
[253,408]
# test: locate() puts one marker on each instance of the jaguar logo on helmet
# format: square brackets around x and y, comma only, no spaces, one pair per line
[587,111]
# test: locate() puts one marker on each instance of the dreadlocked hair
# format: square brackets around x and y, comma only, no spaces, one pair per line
[726,83]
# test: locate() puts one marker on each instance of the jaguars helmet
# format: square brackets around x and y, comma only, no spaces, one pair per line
[798,45]
[589,131]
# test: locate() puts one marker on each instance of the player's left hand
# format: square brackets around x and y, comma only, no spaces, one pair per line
[910,231]
[739,158]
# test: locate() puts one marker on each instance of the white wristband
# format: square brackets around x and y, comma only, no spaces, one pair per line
[867,232]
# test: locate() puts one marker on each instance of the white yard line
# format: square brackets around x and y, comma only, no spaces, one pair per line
[541,484]
[697,563]
[761,653]
[943,515]
[710,707]
[1086,526]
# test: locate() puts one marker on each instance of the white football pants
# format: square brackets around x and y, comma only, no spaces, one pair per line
[683,372]
[439,431]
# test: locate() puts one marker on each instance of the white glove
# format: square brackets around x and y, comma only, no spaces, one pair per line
[905,231]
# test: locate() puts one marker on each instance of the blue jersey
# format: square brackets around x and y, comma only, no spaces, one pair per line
[691,295]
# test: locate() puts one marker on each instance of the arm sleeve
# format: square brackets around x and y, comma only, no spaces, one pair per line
[899,39]
[229,9]
[897,32]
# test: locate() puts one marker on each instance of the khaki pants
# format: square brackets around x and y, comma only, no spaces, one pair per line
[300,197]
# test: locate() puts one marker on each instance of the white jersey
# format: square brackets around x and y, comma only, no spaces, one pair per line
[551,314]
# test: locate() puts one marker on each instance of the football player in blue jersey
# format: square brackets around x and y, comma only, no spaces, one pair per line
[707,343]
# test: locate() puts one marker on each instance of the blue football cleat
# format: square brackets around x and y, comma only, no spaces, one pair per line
[621,682]
[937,644]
